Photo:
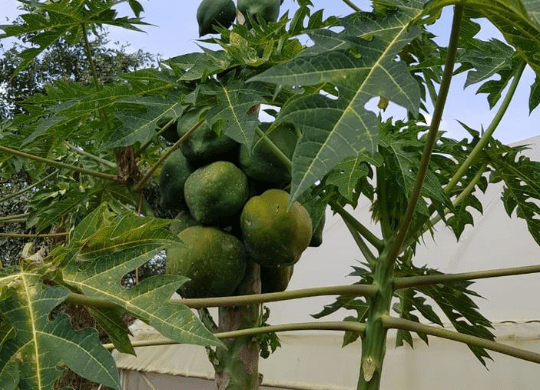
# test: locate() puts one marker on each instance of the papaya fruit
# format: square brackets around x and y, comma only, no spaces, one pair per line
[261,163]
[215,192]
[214,261]
[215,12]
[275,279]
[267,10]
[273,233]
[173,175]
[205,144]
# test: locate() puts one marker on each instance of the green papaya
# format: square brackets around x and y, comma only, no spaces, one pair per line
[174,173]
[267,10]
[275,234]
[214,261]
[216,192]
[275,279]
[215,12]
[262,164]
[205,144]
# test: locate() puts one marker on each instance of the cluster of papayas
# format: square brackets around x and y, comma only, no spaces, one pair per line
[232,208]
[222,13]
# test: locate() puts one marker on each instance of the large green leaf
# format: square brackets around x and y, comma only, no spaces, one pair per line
[53,20]
[104,249]
[235,102]
[339,126]
[521,177]
[31,357]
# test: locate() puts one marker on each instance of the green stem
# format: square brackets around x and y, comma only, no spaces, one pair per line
[352,5]
[400,323]
[89,57]
[147,144]
[20,235]
[26,189]
[267,142]
[20,220]
[357,225]
[198,303]
[416,281]
[82,152]
[344,326]
[361,244]
[150,172]
[432,135]
[359,290]
[57,164]
[8,218]
[489,131]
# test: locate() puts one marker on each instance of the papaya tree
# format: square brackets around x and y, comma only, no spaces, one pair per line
[244,185]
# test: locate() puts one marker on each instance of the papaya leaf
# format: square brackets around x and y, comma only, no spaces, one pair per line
[144,117]
[104,249]
[50,21]
[235,102]
[336,127]
[521,177]
[456,303]
[30,358]
[110,320]
[347,174]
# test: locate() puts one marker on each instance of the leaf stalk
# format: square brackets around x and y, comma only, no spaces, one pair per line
[57,164]
[400,323]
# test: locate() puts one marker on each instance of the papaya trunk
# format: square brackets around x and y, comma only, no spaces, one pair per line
[237,367]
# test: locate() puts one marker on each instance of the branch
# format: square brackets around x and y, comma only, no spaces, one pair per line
[57,164]
[356,225]
[431,138]
[100,160]
[9,218]
[329,325]
[399,323]
[415,281]
[148,175]
[241,300]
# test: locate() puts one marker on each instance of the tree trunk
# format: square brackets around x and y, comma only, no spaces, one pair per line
[237,367]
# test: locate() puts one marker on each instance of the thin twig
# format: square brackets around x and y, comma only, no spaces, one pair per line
[352,5]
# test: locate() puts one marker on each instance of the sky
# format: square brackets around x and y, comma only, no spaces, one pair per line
[174,31]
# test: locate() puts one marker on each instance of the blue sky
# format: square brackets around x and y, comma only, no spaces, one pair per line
[174,32]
